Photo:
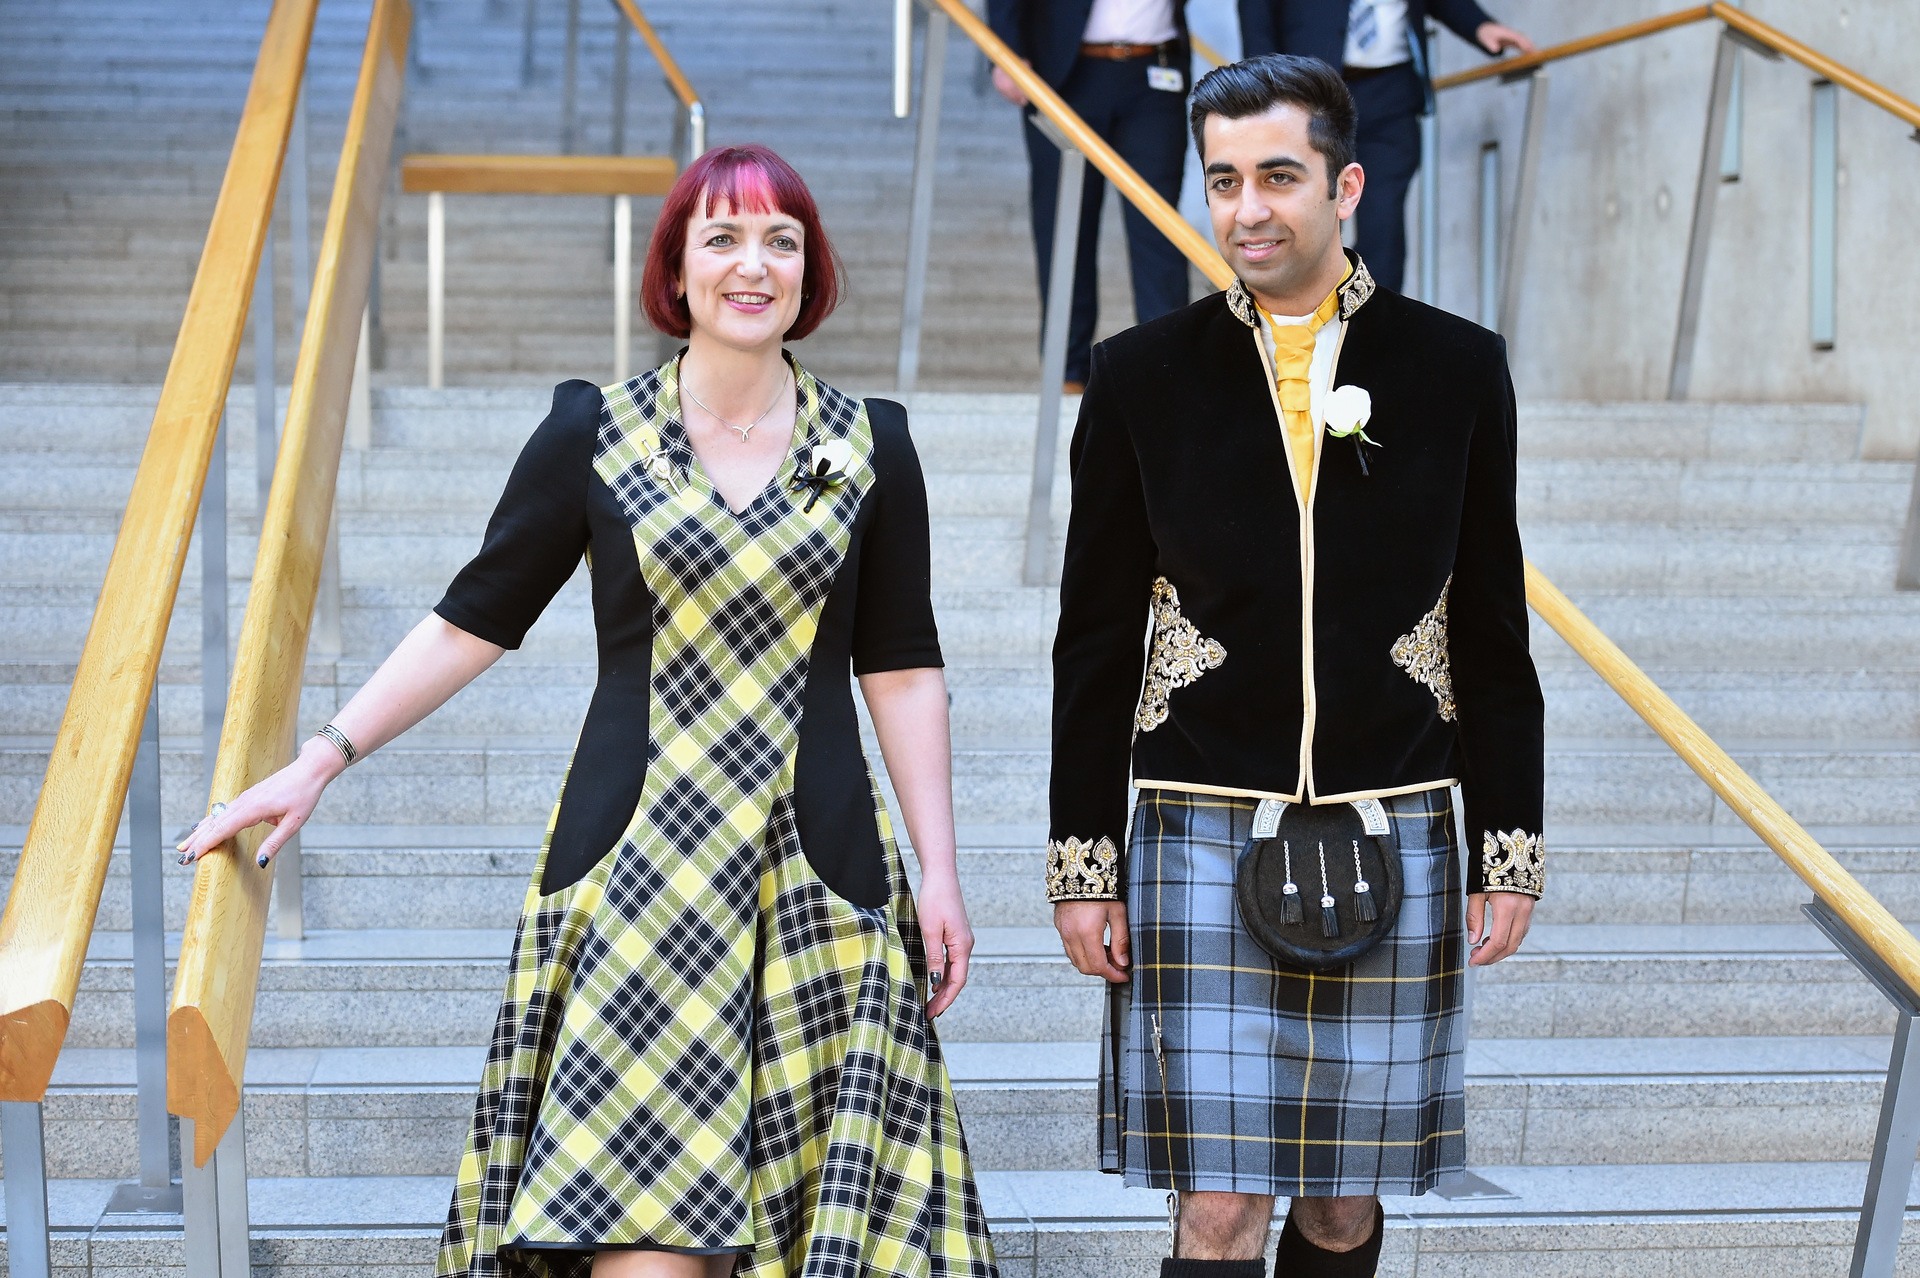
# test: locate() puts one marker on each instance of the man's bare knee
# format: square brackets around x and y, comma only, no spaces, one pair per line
[1335,1224]
[1217,1226]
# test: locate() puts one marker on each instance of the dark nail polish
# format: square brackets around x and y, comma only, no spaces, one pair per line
[263,860]
[185,859]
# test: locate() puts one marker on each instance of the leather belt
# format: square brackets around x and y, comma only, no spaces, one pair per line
[1351,74]
[1123,52]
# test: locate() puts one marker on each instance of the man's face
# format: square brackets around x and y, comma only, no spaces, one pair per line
[1273,217]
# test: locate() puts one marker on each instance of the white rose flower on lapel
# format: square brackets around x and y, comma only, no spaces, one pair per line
[1349,408]
[823,467]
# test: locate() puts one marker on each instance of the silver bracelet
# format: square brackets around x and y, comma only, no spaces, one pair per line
[340,742]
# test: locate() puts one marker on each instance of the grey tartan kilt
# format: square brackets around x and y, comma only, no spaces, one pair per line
[1279,1080]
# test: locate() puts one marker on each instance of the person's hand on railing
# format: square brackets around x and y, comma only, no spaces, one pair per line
[1007,88]
[1496,924]
[1497,39]
[284,801]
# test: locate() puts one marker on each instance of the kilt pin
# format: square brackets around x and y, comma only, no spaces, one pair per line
[703,1048]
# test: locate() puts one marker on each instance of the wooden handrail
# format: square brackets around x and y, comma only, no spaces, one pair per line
[63,864]
[1819,63]
[1804,855]
[676,78]
[1736,19]
[1103,157]
[1573,48]
[538,174]
[1830,881]
[219,968]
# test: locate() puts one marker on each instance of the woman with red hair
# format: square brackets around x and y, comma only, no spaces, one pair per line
[715,1054]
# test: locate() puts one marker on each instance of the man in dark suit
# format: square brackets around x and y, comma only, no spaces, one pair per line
[1380,48]
[1122,66]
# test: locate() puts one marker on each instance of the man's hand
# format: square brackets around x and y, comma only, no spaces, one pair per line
[1007,88]
[1496,924]
[1496,39]
[1095,936]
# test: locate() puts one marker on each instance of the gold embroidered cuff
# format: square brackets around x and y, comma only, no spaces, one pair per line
[1513,862]
[1083,871]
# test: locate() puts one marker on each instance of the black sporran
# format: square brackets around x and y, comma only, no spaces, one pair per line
[1318,886]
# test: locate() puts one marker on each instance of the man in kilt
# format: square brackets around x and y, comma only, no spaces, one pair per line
[1293,577]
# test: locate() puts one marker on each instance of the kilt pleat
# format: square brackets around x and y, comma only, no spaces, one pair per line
[1225,1070]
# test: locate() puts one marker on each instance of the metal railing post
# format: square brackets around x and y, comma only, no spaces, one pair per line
[696,131]
[1877,1243]
[266,432]
[920,210]
[622,57]
[902,57]
[29,1238]
[1489,289]
[1520,221]
[1824,222]
[1884,1208]
[622,285]
[1053,361]
[215,1207]
[1430,207]
[155,1190]
[436,289]
[569,82]
[526,46]
[214,671]
[1907,576]
[1700,236]
[300,216]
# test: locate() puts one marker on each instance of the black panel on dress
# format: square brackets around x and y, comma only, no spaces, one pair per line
[879,616]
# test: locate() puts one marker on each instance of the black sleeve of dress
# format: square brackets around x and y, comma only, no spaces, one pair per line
[1099,651]
[1496,689]
[893,626]
[539,529]
[1462,17]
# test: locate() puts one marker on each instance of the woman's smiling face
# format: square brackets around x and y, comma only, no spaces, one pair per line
[742,274]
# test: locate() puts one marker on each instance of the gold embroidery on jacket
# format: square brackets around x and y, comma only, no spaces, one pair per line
[1354,294]
[1513,862]
[1422,653]
[1181,654]
[1083,870]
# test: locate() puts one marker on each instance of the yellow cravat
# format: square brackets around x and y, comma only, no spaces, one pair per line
[1292,363]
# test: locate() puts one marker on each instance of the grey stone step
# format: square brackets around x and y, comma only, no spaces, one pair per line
[1031,1106]
[441,987]
[1589,782]
[1704,1220]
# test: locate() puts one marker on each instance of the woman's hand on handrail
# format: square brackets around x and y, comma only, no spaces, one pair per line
[433,662]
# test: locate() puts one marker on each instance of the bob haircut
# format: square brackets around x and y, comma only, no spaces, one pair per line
[750,179]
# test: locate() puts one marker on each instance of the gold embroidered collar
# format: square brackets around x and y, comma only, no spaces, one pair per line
[1354,293]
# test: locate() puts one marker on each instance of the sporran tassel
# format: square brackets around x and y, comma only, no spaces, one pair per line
[1363,907]
[1291,911]
[1329,913]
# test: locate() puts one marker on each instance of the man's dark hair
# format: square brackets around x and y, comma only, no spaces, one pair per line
[1257,85]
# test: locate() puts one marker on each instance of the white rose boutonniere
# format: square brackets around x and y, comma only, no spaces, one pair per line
[823,467]
[1348,410]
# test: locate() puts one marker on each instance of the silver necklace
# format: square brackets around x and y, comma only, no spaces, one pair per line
[746,430]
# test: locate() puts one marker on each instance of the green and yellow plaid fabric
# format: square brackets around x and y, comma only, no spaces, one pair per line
[702,1047]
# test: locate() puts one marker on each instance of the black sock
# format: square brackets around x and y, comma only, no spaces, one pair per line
[1296,1257]
[1176,1268]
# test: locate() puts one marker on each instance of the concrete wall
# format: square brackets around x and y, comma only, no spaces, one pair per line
[1602,276]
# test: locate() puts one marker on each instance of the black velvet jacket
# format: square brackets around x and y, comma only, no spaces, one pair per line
[1371,641]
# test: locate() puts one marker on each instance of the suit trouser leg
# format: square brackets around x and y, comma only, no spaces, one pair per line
[1150,133]
[1083,92]
[1389,151]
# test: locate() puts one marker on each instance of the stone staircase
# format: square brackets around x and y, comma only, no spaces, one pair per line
[1677,1075]
[112,147]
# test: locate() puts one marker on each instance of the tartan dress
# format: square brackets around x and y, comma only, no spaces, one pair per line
[702,1047]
